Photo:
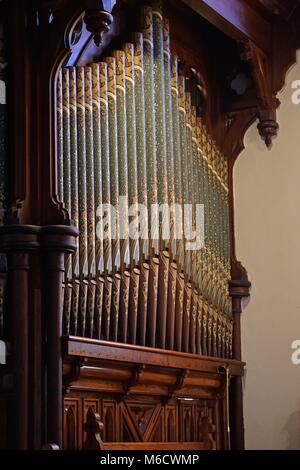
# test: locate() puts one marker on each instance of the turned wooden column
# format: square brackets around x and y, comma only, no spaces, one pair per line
[238,290]
[18,241]
[56,241]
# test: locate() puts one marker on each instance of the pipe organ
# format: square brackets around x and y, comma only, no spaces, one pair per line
[136,165]
[122,288]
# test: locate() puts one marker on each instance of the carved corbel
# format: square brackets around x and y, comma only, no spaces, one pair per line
[178,385]
[134,379]
[267,102]
[98,18]
[74,374]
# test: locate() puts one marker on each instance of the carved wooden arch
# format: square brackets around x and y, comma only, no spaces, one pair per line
[91,32]
[78,33]
[49,36]
[61,32]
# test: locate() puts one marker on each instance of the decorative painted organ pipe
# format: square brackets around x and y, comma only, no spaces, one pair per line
[131,138]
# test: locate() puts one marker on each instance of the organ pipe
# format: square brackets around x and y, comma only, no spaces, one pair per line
[131,142]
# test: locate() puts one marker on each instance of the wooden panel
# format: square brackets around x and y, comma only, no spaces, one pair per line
[171,418]
[143,422]
[109,409]
[87,405]
[72,424]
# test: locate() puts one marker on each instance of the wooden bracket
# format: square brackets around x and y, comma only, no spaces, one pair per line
[177,386]
[134,380]
[74,374]
[267,102]
[238,289]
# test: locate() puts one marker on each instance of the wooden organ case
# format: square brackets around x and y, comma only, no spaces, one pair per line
[122,335]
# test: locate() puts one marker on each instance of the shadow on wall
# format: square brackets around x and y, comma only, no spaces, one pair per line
[292,430]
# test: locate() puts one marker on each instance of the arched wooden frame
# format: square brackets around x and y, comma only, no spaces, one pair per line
[59,36]
[80,49]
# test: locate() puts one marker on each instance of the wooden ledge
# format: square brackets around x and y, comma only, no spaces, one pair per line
[91,365]
[117,352]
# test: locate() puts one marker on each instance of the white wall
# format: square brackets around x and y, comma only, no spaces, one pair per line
[267,199]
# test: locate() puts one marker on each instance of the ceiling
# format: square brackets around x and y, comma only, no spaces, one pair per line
[276,8]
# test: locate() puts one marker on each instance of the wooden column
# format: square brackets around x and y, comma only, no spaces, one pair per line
[56,241]
[238,290]
[18,241]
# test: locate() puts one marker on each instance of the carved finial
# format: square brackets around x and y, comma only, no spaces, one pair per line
[207,431]
[267,103]
[93,428]
[268,129]
[97,20]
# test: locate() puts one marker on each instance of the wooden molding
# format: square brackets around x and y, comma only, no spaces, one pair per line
[104,350]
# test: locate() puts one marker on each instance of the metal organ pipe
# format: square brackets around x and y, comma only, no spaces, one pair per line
[130,136]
